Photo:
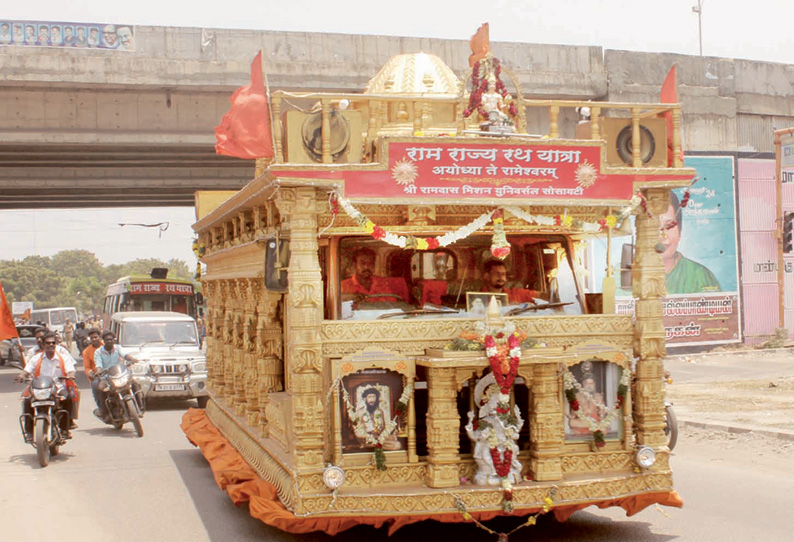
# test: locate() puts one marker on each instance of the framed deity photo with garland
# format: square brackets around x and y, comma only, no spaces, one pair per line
[374,394]
[595,391]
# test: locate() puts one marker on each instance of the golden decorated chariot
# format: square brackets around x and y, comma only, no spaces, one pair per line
[366,366]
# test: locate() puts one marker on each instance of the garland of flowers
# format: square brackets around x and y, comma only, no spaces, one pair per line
[479,85]
[377,442]
[500,248]
[567,221]
[504,378]
[504,537]
[409,241]
[573,388]
[199,250]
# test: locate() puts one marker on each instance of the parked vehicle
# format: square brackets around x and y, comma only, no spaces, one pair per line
[10,351]
[171,364]
[122,404]
[54,318]
[41,428]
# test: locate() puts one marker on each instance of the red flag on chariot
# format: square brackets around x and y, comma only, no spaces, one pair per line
[669,95]
[244,131]
[480,44]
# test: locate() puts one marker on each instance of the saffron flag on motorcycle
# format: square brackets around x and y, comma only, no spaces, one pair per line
[8,330]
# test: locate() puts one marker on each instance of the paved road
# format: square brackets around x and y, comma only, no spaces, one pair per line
[110,485]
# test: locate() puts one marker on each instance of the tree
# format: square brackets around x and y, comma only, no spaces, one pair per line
[77,263]
[73,278]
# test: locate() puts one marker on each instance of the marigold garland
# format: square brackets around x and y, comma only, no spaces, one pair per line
[490,65]
[500,247]
[504,372]
[409,241]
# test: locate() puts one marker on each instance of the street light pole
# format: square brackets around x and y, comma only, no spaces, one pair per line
[699,10]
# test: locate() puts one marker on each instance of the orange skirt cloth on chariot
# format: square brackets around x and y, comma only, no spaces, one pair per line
[243,484]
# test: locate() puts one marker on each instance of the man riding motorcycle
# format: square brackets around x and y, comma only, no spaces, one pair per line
[104,358]
[51,363]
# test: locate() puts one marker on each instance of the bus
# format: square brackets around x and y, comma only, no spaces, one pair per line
[154,292]
[54,318]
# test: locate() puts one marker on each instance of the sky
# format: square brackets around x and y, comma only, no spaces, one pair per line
[759,30]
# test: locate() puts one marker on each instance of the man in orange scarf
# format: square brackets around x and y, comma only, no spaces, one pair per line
[52,363]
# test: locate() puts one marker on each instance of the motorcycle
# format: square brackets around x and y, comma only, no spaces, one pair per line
[122,404]
[47,416]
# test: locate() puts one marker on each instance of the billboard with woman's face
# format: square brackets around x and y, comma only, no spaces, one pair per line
[698,248]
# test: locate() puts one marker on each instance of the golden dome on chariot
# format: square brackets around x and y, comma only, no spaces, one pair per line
[415,73]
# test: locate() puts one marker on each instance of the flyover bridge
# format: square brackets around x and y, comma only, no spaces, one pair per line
[101,128]
[105,128]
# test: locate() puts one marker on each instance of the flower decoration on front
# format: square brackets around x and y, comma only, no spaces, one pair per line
[404,172]
[389,431]
[504,370]
[408,241]
[586,174]
[574,390]
[475,339]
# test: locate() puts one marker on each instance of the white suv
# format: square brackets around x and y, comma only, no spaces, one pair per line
[168,347]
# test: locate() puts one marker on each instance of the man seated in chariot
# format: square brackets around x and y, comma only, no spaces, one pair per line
[366,287]
[494,279]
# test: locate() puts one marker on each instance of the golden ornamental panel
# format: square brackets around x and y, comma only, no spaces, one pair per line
[597,462]
[412,337]
[477,499]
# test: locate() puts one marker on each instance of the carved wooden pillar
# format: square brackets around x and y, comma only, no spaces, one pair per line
[228,345]
[443,428]
[221,333]
[212,302]
[546,431]
[304,316]
[238,369]
[250,365]
[649,288]
[270,365]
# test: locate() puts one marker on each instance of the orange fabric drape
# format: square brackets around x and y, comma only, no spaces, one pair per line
[8,329]
[242,483]
[244,131]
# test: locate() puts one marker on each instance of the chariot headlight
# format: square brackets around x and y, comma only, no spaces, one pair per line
[646,457]
[138,368]
[41,393]
[156,369]
[182,367]
[333,477]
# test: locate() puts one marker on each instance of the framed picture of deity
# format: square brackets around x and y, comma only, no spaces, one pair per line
[595,392]
[374,406]
[477,302]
